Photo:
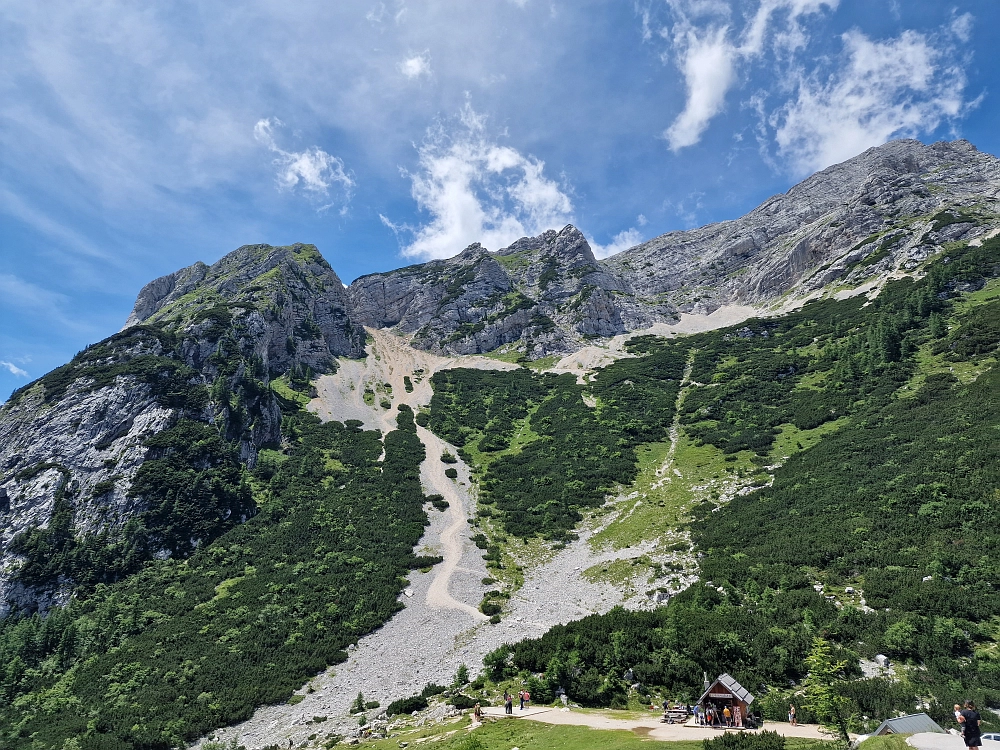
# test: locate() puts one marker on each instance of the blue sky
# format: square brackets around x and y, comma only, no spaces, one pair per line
[137,138]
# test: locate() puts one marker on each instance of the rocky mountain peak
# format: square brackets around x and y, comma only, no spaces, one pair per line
[887,209]
[287,303]
[852,223]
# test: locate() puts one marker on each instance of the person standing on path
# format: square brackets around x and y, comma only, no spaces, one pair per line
[969,719]
[791,715]
[520,695]
[477,714]
[508,702]
[728,716]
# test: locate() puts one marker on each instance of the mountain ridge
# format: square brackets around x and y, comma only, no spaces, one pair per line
[883,211]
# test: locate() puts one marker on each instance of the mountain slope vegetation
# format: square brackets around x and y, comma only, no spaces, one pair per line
[882,536]
[185,646]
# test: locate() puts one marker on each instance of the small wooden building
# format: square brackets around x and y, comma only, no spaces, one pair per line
[724,693]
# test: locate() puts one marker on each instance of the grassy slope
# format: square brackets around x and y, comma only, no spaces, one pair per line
[183,647]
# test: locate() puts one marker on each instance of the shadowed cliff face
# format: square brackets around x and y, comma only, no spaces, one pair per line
[887,209]
[109,451]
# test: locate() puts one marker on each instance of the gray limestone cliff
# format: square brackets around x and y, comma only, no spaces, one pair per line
[887,209]
[545,294]
[202,347]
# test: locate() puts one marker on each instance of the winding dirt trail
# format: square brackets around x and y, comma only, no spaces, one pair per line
[438,594]
[391,362]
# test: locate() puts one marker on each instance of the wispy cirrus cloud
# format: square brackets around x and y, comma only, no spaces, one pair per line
[476,190]
[708,51]
[313,170]
[13,369]
[818,109]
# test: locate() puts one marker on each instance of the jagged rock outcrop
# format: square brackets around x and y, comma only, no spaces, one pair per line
[201,348]
[546,294]
[293,305]
[889,208]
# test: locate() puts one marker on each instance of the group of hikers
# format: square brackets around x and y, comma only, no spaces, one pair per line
[523,697]
[712,715]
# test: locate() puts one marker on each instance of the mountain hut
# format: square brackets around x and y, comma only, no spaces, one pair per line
[726,692]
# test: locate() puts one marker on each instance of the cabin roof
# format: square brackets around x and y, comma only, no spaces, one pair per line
[730,684]
[909,724]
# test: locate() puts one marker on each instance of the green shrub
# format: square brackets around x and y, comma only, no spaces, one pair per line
[431,689]
[763,740]
[462,701]
[407,705]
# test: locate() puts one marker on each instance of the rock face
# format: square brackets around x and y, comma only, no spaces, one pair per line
[202,344]
[889,208]
[293,305]
[546,294]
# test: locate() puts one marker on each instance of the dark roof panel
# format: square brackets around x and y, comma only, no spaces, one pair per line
[909,724]
[730,684]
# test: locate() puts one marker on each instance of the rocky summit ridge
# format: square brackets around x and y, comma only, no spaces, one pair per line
[886,210]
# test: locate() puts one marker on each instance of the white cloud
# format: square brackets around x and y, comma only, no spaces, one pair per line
[14,369]
[708,58]
[961,27]
[622,241]
[708,65]
[314,169]
[478,191]
[414,67]
[883,89]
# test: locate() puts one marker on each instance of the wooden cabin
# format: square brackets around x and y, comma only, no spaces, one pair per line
[726,692]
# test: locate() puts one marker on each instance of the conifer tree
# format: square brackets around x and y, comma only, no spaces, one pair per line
[820,686]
